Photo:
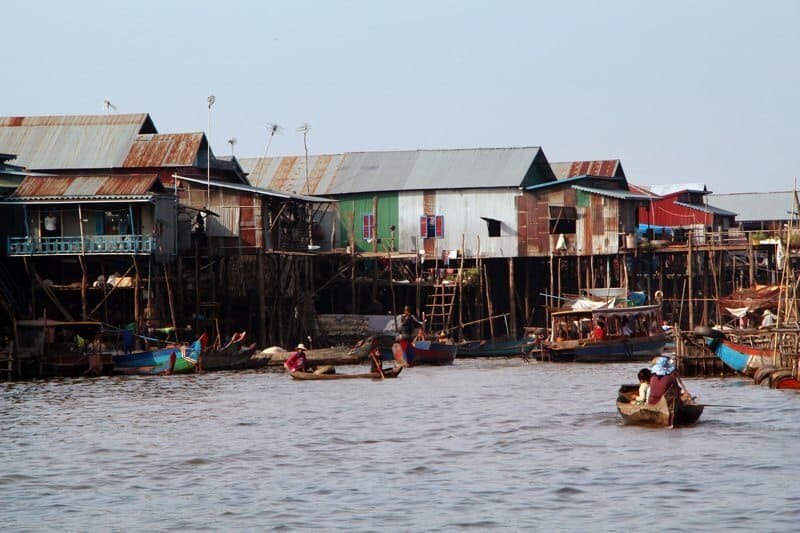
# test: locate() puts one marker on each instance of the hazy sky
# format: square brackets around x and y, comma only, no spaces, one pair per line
[680,91]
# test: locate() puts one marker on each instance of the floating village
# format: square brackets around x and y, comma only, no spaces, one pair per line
[131,251]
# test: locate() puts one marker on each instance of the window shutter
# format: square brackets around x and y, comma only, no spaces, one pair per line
[440,226]
[423,226]
[366,226]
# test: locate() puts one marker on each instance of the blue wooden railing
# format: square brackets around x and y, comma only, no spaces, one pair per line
[88,244]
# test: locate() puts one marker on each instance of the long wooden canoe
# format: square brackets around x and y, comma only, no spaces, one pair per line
[310,376]
[670,411]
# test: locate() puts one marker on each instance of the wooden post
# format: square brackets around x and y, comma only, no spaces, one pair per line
[527,313]
[512,301]
[489,305]
[137,293]
[479,299]
[751,260]
[460,289]
[84,282]
[169,298]
[262,310]
[708,266]
[690,281]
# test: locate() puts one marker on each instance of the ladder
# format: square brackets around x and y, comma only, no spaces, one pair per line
[440,306]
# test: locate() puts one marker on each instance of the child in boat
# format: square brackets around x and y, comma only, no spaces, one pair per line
[644,386]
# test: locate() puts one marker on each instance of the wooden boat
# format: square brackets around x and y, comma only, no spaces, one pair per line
[311,376]
[571,335]
[58,348]
[744,359]
[414,353]
[233,356]
[499,347]
[670,411]
[173,359]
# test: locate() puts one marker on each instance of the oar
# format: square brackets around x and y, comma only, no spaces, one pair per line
[718,405]
[377,363]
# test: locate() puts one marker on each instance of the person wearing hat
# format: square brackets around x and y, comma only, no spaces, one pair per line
[768,319]
[297,361]
[663,378]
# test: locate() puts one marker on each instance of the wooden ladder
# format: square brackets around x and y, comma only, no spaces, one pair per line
[440,306]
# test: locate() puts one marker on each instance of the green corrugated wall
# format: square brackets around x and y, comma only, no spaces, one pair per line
[361,204]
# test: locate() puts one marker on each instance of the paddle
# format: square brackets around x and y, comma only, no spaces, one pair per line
[377,363]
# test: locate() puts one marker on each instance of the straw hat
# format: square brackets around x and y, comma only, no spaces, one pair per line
[300,347]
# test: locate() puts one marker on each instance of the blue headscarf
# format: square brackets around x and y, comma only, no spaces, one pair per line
[663,365]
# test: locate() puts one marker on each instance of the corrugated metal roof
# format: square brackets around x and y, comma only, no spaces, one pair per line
[642,190]
[707,209]
[666,190]
[257,190]
[607,167]
[79,187]
[72,142]
[611,193]
[360,172]
[576,179]
[164,150]
[756,206]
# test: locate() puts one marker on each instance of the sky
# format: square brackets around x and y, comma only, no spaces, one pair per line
[679,91]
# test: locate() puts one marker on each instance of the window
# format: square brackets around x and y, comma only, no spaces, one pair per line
[493,226]
[562,219]
[431,226]
[366,226]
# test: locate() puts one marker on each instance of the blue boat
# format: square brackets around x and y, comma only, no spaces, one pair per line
[175,359]
[499,347]
[572,339]
[744,359]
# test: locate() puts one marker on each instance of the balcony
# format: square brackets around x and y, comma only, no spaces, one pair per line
[77,245]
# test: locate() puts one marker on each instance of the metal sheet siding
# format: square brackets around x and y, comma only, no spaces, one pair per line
[71,142]
[462,212]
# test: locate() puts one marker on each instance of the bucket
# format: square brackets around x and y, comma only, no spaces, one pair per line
[630,240]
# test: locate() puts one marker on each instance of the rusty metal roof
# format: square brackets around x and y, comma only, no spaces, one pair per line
[256,190]
[359,172]
[153,150]
[72,142]
[96,188]
[611,168]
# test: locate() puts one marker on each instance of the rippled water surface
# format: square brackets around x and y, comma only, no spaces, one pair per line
[484,445]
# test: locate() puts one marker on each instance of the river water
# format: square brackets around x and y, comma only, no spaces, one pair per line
[483,445]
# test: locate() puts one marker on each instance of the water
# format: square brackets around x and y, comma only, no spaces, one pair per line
[483,445]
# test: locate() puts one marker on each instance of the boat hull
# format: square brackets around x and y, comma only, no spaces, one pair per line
[407,353]
[311,376]
[172,359]
[497,348]
[744,359]
[620,350]
[670,411]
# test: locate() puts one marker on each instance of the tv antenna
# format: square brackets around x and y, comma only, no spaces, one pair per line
[108,106]
[304,129]
[272,129]
[232,141]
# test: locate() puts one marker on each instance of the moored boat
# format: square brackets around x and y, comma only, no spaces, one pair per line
[414,353]
[741,358]
[571,338]
[499,347]
[670,411]
[173,359]
[58,348]
[311,376]
[235,355]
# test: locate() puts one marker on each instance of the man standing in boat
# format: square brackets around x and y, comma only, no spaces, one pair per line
[408,323]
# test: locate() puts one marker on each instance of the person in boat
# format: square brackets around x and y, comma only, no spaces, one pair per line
[408,323]
[627,331]
[664,378]
[298,362]
[444,338]
[644,376]
[599,332]
[768,319]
